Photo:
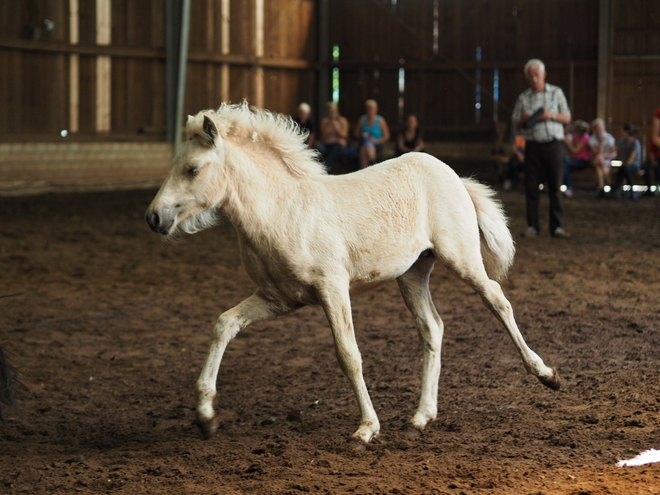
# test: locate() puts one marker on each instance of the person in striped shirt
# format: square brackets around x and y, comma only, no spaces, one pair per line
[541,112]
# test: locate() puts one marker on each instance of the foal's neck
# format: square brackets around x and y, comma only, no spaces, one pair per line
[259,189]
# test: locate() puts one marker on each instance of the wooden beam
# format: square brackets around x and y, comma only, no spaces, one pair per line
[183,65]
[74,70]
[82,49]
[155,54]
[225,48]
[602,84]
[258,52]
[103,67]
[323,39]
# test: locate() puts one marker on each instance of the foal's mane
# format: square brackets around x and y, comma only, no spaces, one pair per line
[276,132]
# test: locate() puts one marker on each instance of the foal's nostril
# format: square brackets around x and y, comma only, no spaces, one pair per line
[162,222]
[153,220]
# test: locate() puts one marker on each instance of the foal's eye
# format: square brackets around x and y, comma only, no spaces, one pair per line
[193,171]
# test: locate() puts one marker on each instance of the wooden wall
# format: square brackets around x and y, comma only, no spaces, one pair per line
[267,51]
[68,77]
[441,71]
[634,93]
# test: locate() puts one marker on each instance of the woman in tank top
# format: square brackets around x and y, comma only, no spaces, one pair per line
[410,138]
[372,132]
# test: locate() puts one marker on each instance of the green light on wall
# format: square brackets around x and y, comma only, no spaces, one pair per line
[335,75]
[335,85]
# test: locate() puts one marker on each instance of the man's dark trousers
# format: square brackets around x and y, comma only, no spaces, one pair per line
[543,163]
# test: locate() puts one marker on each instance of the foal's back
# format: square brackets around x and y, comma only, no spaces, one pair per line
[382,218]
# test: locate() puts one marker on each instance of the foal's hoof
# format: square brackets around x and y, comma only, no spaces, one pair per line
[411,431]
[553,382]
[208,427]
[355,445]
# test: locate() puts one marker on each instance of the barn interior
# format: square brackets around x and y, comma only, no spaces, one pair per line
[94,94]
[105,327]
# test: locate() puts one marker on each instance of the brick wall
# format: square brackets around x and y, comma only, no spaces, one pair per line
[34,168]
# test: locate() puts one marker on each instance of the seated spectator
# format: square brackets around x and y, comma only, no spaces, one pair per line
[372,132]
[334,131]
[603,149]
[515,165]
[629,152]
[653,159]
[410,139]
[305,121]
[578,156]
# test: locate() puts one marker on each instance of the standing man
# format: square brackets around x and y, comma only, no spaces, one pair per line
[540,113]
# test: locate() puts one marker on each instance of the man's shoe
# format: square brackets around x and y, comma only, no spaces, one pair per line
[561,233]
[530,233]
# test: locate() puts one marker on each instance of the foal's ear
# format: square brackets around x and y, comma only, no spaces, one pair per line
[210,130]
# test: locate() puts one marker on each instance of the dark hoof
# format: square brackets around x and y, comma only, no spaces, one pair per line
[208,427]
[410,431]
[554,382]
[355,445]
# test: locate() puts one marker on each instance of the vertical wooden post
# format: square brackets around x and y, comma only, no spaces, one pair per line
[183,66]
[259,52]
[323,75]
[74,69]
[604,21]
[225,49]
[103,67]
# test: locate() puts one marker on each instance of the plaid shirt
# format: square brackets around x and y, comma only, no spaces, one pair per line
[551,98]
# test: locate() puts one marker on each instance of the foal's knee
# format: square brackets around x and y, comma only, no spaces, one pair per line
[226,327]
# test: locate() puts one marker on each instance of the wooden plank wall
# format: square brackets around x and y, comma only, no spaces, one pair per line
[276,79]
[274,66]
[635,69]
[39,82]
[381,36]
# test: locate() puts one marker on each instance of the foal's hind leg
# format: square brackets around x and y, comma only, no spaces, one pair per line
[494,299]
[254,308]
[414,285]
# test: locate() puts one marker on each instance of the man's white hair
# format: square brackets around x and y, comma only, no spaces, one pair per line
[534,62]
[305,108]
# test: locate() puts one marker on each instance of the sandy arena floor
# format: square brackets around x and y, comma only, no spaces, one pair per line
[109,326]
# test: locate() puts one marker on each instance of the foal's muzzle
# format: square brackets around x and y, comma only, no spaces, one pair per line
[159,223]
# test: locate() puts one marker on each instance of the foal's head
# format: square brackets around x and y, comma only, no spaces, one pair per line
[194,187]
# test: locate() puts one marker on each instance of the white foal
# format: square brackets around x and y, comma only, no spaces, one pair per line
[309,238]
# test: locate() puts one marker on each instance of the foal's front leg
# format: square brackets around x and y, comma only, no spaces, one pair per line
[337,306]
[254,308]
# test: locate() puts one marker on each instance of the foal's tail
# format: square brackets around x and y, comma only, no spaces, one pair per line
[497,247]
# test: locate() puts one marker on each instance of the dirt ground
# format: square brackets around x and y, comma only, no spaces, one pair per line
[109,327]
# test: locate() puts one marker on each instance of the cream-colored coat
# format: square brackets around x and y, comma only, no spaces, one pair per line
[310,238]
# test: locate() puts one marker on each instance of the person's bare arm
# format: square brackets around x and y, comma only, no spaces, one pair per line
[401,145]
[562,118]
[341,125]
[655,136]
[358,128]
[386,132]
[523,117]
[420,144]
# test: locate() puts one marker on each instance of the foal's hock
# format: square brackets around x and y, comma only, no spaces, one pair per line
[310,238]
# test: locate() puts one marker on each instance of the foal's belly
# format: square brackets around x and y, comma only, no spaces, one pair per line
[300,282]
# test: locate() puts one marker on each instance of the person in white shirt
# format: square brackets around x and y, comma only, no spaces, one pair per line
[541,112]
